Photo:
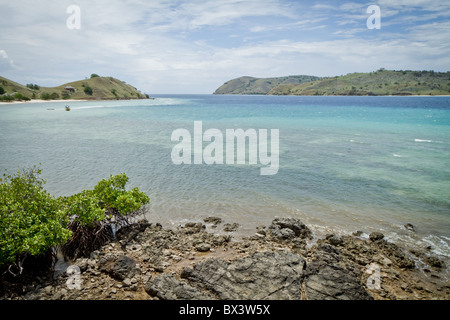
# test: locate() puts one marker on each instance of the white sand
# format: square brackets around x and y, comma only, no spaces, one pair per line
[38,101]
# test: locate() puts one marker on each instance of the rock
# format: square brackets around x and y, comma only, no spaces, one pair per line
[358,233]
[221,240]
[375,236]
[48,290]
[285,233]
[127,282]
[134,247]
[276,264]
[409,227]
[82,263]
[167,287]
[203,247]
[214,220]
[296,227]
[120,267]
[334,240]
[435,262]
[230,227]
[193,227]
[261,231]
[130,232]
[94,254]
[395,254]
[326,279]
[264,275]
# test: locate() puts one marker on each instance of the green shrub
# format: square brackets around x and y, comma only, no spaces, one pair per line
[20,97]
[45,96]
[6,98]
[65,95]
[114,198]
[31,221]
[33,86]
[83,208]
[94,213]
[88,90]
[108,200]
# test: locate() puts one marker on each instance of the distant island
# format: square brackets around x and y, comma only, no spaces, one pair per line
[94,88]
[379,83]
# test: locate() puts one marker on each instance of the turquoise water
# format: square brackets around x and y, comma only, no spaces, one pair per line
[346,163]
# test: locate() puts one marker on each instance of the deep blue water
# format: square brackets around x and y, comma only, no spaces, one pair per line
[346,163]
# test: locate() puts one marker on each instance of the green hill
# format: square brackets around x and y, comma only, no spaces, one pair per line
[251,85]
[8,87]
[381,82]
[95,88]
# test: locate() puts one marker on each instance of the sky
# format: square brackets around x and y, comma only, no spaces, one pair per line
[193,47]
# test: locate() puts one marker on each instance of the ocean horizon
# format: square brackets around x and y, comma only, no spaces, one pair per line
[346,164]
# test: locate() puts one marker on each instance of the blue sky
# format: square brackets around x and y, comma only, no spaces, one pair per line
[196,46]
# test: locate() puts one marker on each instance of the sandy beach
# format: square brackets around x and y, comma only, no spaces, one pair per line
[39,101]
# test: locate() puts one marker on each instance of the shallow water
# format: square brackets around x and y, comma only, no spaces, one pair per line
[346,163]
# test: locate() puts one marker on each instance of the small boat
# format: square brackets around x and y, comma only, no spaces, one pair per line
[67,108]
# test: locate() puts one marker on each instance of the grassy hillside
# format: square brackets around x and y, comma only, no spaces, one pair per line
[8,87]
[381,82]
[95,88]
[251,85]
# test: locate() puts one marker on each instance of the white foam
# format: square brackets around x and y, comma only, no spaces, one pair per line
[428,141]
[421,140]
[86,107]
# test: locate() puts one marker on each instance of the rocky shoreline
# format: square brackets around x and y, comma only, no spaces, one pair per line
[279,262]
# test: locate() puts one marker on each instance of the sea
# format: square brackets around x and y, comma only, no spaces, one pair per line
[346,164]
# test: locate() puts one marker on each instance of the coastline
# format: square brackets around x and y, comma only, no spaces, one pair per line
[86,100]
[41,101]
[279,262]
[63,100]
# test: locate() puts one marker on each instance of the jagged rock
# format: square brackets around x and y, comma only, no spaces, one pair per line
[130,232]
[435,262]
[334,240]
[261,267]
[167,287]
[203,247]
[358,233]
[326,279]
[264,275]
[375,236]
[287,228]
[193,227]
[213,220]
[230,227]
[119,268]
[395,254]
[260,231]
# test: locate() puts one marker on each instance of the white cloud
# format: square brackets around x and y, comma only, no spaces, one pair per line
[428,5]
[170,46]
[5,61]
